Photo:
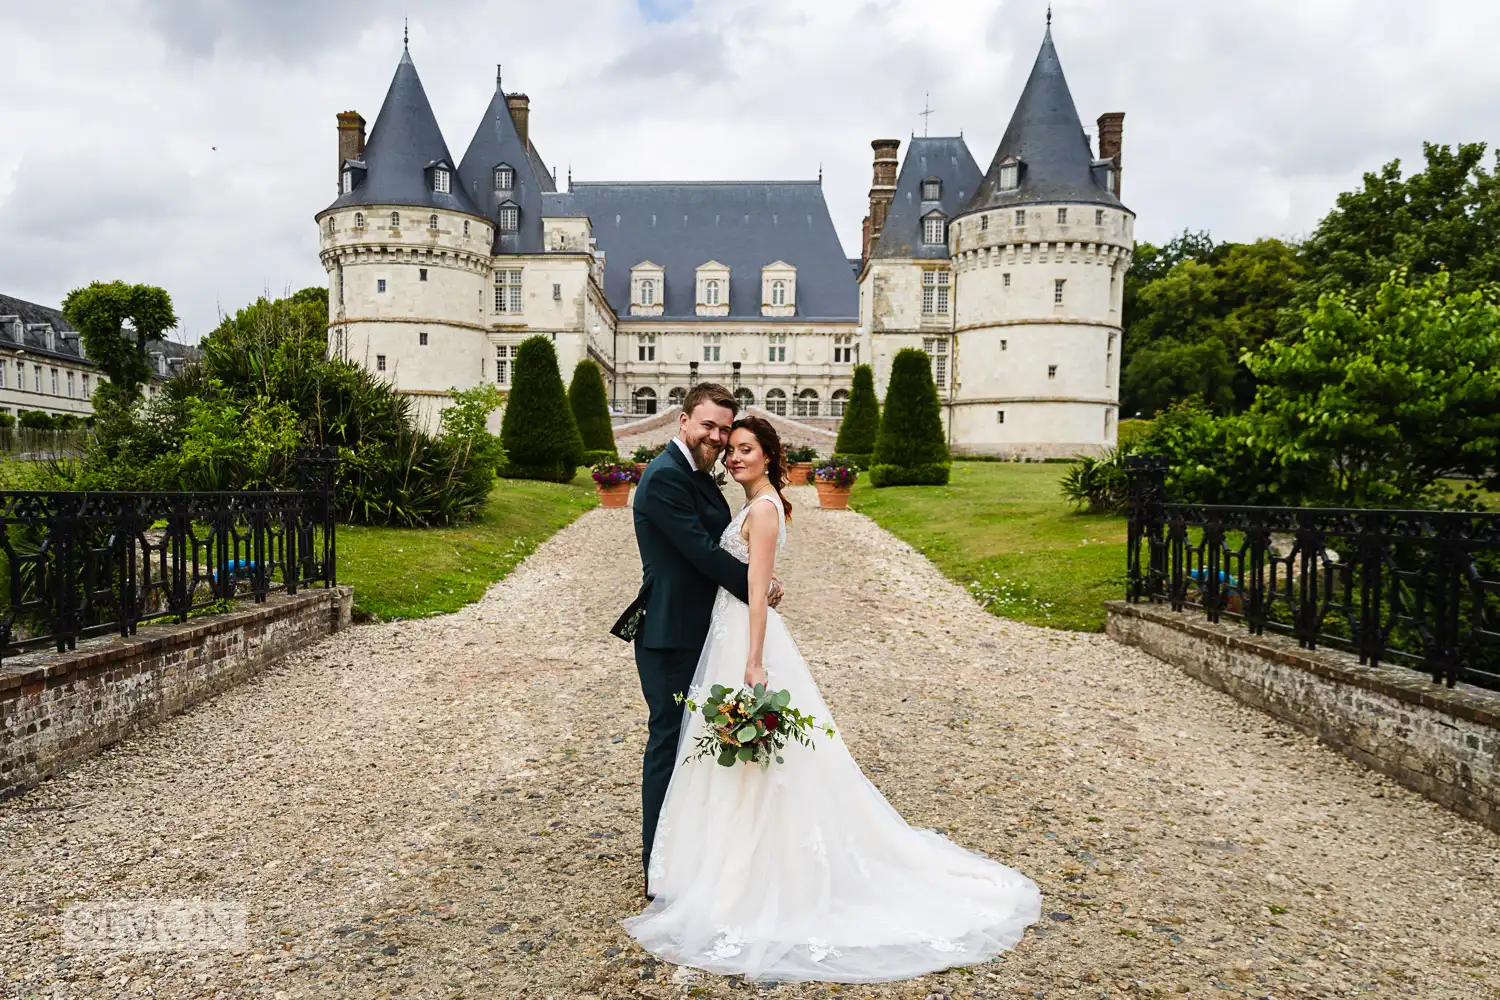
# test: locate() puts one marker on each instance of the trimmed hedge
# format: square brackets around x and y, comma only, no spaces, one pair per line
[539,433]
[861,424]
[911,449]
[590,404]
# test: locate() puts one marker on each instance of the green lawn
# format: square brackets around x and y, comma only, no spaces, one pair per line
[416,572]
[1002,530]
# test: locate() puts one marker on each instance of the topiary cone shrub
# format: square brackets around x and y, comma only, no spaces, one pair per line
[590,404]
[911,448]
[539,433]
[861,423]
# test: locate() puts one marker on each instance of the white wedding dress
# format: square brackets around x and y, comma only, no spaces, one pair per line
[802,870]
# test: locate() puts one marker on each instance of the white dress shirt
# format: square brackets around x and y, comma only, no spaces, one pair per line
[689,455]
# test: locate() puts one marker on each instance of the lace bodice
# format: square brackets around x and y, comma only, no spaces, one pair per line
[733,539]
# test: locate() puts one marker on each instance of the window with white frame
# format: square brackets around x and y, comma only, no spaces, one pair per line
[3,373]
[806,403]
[712,345]
[70,385]
[776,402]
[677,396]
[359,220]
[86,389]
[505,363]
[440,181]
[645,347]
[1098,216]
[776,351]
[508,290]
[837,402]
[36,378]
[648,291]
[432,222]
[932,189]
[1062,216]
[1020,216]
[744,397]
[395,220]
[505,178]
[1010,176]
[711,292]
[937,353]
[843,349]
[380,362]
[510,219]
[379,284]
[933,230]
[348,181]
[1057,290]
[778,293]
[935,293]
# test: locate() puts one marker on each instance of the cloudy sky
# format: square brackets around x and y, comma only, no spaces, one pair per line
[188,143]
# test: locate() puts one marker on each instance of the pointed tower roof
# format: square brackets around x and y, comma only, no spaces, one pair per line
[1045,135]
[498,142]
[404,142]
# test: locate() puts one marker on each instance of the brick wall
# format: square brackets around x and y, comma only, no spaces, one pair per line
[57,708]
[1444,743]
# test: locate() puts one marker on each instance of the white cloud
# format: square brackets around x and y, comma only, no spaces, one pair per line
[1245,119]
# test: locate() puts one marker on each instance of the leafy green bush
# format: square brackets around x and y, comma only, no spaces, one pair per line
[590,405]
[1131,433]
[1097,485]
[911,449]
[802,453]
[643,453]
[37,420]
[7,421]
[861,423]
[540,435]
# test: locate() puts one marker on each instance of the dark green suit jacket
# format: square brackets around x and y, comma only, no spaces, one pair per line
[679,516]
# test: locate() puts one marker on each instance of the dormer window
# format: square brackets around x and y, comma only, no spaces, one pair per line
[440,181]
[348,181]
[934,230]
[711,293]
[510,218]
[505,178]
[778,293]
[932,189]
[648,292]
[1010,174]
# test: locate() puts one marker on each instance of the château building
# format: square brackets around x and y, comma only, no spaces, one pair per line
[1010,280]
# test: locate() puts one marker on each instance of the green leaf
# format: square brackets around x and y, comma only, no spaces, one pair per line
[727,758]
[746,753]
[783,699]
[780,759]
[720,719]
[746,733]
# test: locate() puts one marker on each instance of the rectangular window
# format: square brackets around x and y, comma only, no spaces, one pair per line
[508,290]
[984,223]
[937,352]
[36,378]
[1062,216]
[932,230]
[942,293]
[1098,216]
[1003,344]
[421,274]
[509,218]
[1020,216]
[1057,291]
[843,350]
[999,416]
[348,181]
[70,385]
[380,284]
[645,347]
[422,339]
[380,362]
[466,229]
[711,346]
[2,373]
[85,387]
[1109,363]
[556,292]
[1052,371]
[1005,279]
[776,347]
[440,181]
[505,357]
[929,293]
[932,190]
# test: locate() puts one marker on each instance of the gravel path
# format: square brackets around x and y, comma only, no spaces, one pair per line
[448,808]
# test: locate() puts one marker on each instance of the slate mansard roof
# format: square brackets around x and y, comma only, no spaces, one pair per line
[404,141]
[1047,137]
[497,141]
[64,348]
[948,160]
[744,225]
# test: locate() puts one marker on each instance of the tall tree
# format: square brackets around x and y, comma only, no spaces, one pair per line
[101,312]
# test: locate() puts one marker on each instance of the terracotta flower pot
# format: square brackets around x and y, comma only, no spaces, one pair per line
[798,473]
[640,468]
[617,495]
[832,496]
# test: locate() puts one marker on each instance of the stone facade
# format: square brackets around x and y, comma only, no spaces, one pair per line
[57,708]
[1441,742]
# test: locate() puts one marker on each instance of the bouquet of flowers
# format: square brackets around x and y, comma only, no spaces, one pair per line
[838,475]
[613,474]
[751,725]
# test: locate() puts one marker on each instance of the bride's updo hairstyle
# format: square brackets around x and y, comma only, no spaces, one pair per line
[770,445]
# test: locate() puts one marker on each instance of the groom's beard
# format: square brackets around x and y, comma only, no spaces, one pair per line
[705,456]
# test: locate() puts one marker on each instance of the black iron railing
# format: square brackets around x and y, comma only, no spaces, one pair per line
[1413,587]
[80,564]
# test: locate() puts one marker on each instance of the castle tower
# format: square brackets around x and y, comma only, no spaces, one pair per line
[1039,257]
[407,253]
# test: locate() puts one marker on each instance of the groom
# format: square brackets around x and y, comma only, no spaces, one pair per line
[679,516]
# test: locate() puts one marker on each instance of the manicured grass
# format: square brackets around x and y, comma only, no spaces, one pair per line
[1004,531]
[416,572]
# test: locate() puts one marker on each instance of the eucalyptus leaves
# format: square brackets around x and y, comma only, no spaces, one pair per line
[750,725]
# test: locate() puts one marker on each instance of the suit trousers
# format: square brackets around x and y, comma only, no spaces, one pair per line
[664,673]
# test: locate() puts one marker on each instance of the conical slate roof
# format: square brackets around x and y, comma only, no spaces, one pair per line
[944,159]
[1047,137]
[404,141]
[497,141]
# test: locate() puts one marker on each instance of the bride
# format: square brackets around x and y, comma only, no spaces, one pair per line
[802,870]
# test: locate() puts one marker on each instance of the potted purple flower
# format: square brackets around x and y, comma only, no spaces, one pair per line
[614,481]
[833,483]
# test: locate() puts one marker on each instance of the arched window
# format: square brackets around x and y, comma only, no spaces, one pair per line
[505,178]
[806,403]
[466,229]
[648,292]
[711,293]
[776,402]
[359,220]
[837,403]
[645,400]
[677,396]
[395,220]
[744,397]
[432,222]
[778,293]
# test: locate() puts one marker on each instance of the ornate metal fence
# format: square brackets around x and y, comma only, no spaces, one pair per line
[79,564]
[1413,587]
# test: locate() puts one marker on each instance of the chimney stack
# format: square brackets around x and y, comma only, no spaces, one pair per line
[1111,132]
[520,113]
[882,189]
[351,141]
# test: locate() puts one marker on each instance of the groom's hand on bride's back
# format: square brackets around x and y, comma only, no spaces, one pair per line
[776,593]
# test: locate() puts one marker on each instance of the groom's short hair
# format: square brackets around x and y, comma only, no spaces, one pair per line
[710,392]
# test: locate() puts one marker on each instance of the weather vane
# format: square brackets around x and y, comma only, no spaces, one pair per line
[1049,15]
[405,32]
[926,114]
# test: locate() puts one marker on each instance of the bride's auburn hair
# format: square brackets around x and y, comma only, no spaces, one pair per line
[770,446]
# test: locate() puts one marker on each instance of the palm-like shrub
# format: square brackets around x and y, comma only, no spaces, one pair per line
[590,404]
[539,433]
[911,449]
[861,423]
[1098,485]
